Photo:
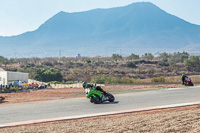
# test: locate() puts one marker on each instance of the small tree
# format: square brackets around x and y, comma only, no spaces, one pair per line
[192,61]
[164,56]
[116,57]
[3,61]
[131,64]
[47,75]
[180,57]
[133,57]
[148,56]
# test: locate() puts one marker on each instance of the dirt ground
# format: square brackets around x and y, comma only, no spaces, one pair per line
[183,119]
[64,93]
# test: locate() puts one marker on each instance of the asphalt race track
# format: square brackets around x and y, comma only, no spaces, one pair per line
[11,114]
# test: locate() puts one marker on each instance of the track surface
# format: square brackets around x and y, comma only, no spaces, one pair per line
[11,113]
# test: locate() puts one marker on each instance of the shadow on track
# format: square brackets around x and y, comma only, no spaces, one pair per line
[115,102]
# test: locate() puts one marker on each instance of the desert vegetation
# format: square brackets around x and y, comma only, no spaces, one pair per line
[108,70]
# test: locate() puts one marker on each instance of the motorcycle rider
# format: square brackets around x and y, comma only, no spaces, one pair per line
[183,78]
[86,85]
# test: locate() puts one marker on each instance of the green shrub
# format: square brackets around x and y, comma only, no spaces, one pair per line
[47,63]
[172,79]
[158,79]
[131,64]
[55,82]
[3,89]
[88,61]
[126,80]
[113,80]
[172,62]
[192,61]
[14,69]
[116,57]
[148,56]
[98,79]
[70,82]
[47,75]
[163,63]
[15,89]
[67,82]
[133,57]
[105,80]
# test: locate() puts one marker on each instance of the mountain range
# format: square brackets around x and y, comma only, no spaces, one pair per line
[137,28]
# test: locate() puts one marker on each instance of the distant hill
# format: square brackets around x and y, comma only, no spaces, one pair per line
[137,28]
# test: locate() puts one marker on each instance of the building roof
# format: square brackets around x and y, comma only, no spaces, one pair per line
[17,72]
[13,72]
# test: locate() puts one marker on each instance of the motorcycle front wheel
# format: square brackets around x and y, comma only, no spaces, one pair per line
[111,97]
[191,84]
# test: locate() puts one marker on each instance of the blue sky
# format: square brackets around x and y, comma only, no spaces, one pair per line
[19,16]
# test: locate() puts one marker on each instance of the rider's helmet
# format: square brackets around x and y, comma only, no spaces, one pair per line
[183,74]
[84,85]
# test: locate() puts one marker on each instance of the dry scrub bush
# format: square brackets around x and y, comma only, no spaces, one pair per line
[75,71]
[101,70]
[158,79]
[172,79]
[69,77]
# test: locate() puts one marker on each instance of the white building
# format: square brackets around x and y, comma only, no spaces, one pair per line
[6,76]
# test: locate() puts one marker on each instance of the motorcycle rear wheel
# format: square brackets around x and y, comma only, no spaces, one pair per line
[95,100]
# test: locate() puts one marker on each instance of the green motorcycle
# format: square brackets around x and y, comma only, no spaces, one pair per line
[97,96]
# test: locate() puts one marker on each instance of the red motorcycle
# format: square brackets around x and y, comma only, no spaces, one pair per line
[188,82]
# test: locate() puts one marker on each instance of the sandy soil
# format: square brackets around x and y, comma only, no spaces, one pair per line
[64,93]
[175,120]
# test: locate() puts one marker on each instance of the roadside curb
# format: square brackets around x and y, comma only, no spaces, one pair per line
[97,114]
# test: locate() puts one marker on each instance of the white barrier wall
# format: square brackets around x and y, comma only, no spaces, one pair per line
[77,85]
